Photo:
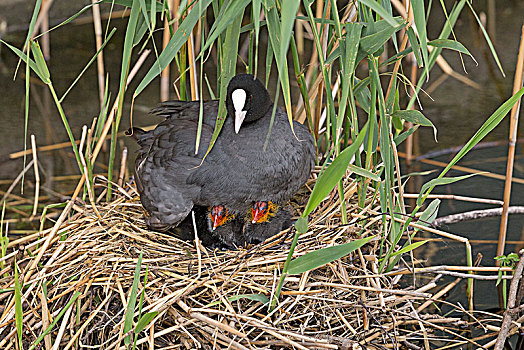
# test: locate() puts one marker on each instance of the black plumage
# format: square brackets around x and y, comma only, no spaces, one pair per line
[259,232]
[237,232]
[230,235]
[237,172]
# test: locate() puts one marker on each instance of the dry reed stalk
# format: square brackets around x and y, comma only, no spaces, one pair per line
[57,178]
[300,114]
[193,82]
[318,108]
[196,290]
[97,22]
[42,16]
[491,159]
[80,184]
[299,35]
[398,62]
[514,121]
[409,125]
[323,117]
[436,83]
[446,68]
[424,228]
[440,293]
[312,93]
[164,76]
[52,147]
[17,180]
[457,198]
[512,307]
[465,169]
[90,190]
[37,176]
[46,48]
[123,163]
[62,145]
[398,174]
[474,241]
[477,214]
[313,61]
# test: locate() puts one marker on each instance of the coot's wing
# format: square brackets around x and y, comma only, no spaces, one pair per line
[289,161]
[166,159]
[248,173]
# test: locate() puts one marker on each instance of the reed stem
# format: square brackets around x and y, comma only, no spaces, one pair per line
[517,85]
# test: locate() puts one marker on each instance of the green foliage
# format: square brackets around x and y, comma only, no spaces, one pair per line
[483,131]
[131,303]
[55,321]
[317,258]
[332,175]
[348,102]
[509,260]
[409,248]
[144,321]
[301,225]
[414,117]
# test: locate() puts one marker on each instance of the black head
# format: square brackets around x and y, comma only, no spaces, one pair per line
[247,99]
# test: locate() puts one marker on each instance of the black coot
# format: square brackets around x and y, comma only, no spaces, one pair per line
[237,172]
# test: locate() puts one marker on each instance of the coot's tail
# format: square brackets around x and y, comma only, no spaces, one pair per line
[138,135]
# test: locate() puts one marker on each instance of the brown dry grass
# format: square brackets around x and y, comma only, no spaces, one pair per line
[346,304]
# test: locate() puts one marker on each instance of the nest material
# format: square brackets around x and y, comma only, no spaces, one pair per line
[211,299]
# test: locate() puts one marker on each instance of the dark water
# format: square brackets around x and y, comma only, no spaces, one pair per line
[456,110]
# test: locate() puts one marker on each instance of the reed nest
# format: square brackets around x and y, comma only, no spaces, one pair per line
[211,298]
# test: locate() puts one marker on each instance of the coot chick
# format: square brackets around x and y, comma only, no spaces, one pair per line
[228,235]
[237,172]
[234,232]
[277,220]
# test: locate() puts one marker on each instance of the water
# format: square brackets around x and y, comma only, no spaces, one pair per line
[456,110]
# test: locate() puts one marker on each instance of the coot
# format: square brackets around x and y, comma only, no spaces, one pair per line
[237,172]
[235,232]
[228,235]
[276,220]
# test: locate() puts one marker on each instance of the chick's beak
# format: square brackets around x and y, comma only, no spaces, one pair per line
[219,216]
[216,221]
[257,214]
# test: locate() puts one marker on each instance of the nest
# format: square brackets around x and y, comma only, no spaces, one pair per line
[202,298]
